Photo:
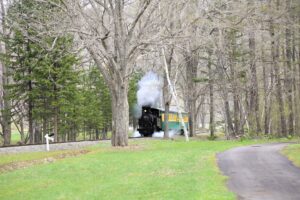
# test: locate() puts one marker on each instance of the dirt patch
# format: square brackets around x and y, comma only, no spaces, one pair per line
[25,164]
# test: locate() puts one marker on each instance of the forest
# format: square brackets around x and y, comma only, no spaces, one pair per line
[71,67]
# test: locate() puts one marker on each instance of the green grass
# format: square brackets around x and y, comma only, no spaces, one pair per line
[293,153]
[10,158]
[15,137]
[148,169]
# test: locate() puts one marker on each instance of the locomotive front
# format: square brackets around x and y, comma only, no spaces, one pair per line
[149,121]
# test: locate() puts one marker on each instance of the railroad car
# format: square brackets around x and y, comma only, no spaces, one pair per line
[152,120]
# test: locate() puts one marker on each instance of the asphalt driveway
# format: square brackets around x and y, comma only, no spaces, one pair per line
[260,172]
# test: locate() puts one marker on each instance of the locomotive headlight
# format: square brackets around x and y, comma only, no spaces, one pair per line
[145,110]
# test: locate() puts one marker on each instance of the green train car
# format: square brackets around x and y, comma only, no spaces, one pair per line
[152,120]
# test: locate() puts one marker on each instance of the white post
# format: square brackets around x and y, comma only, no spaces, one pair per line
[47,141]
[173,92]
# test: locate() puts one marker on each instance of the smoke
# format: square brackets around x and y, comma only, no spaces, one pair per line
[150,90]
[137,111]
[149,93]
[136,134]
[160,134]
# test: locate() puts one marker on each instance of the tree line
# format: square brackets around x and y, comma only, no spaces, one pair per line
[71,66]
[45,88]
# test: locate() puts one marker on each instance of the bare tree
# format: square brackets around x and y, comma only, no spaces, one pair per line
[275,61]
[211,98]
[289,77]
[253,90]
[5,104]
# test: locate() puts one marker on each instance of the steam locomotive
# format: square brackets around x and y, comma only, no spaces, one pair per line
[152,120]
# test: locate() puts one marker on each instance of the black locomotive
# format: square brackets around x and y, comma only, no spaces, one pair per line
[150,121]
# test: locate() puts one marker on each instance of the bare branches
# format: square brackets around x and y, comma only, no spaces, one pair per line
[137,18]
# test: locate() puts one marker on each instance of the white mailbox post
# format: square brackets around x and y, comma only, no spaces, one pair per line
[47,141]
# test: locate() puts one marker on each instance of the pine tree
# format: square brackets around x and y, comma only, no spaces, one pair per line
[44,78]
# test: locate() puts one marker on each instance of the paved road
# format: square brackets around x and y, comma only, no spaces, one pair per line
[260,172]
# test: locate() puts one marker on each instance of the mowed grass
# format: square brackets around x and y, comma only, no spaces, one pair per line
[293,153]
[147,169]
[19,157]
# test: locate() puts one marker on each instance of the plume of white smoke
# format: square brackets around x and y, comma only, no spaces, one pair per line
[150,90]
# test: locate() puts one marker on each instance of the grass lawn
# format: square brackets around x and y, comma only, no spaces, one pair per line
[293,153]
[147,169]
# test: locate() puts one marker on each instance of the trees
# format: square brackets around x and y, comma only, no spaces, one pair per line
[44,81]
[110,44]
[113,32]
[232,32]
[96,106]
[243,54]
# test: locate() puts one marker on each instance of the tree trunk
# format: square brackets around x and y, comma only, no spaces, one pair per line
[211,100]
[45,122]
[191,61]
[22,130]
[228,117]
[104,133]
[279,95]
[254,98]
[267,106]
[37,133]
[202,117]
[30,101]
[5,104]
[234,83]
[236,113]
[166,100]
[84,132]
[120,116]
[266,99]
[191,118]
[30,119]
[55,125]
[73,134]
[6,128]
[6,114]
[297,76]
[6,111]
[97,134]
[166,120]
[289,79]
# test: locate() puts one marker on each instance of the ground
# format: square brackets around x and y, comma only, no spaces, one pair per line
[260,172]
[147,169]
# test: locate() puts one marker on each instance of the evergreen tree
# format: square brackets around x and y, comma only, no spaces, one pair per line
[44,78]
